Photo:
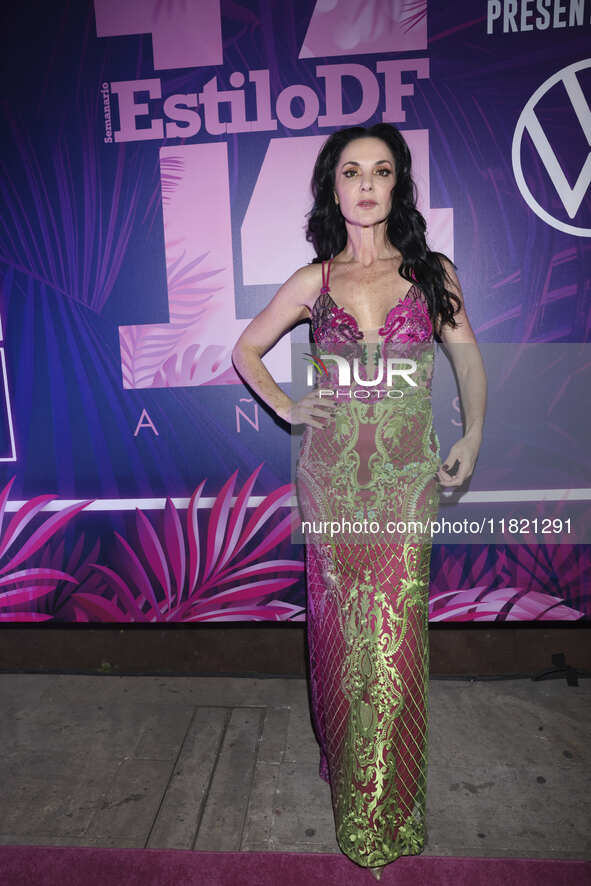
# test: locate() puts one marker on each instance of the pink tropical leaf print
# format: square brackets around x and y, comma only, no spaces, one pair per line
[24,595]
[175,545]
[20,520]
[193,538]
[153,551]
[237,518]
[198,364]
[26,574]
[149,353]
[138,573]
[274,536]
[104,610]
[44,533]
[279,610]
[25,615]
[218,522]
[509,582]
[172,170]
[142,584]
[507,604]
[27,579]
[279,498]
[252,591]
[126,595]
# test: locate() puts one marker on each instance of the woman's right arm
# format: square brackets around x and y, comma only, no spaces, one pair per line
[286,308]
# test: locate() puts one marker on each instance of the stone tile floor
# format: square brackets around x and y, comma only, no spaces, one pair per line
[231,763]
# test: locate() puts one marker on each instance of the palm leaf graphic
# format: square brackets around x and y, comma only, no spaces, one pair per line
[507,583]
[75,247]
[58,604]
[218,573]
[147,352]
[26,580]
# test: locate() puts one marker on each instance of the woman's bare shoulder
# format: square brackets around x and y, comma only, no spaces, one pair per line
[306,283]
[310,274]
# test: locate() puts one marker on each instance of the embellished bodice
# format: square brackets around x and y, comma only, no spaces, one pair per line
[406,334]
[407,321]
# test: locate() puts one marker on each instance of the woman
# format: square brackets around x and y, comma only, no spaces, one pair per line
[373,288]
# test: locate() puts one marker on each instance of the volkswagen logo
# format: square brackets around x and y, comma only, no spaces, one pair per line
[571,196]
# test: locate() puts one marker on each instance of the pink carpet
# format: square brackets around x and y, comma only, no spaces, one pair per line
[88,866]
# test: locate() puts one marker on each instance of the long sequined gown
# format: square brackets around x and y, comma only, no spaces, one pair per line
[367,601]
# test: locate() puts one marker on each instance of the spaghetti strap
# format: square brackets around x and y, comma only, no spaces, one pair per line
[326,276]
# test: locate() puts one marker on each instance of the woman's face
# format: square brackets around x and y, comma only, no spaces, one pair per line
[365,175]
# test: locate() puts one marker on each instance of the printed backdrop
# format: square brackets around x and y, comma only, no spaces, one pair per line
[156,162]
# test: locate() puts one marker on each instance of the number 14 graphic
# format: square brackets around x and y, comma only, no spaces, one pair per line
[194,347]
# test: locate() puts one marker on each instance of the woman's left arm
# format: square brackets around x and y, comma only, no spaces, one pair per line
[465,354]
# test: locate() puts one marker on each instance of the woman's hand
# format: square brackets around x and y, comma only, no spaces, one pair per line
[465,450]
[310,410]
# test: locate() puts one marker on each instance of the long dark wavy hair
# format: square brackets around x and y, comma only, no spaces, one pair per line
[405,226]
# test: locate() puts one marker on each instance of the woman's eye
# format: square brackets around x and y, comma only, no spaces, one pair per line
[383,172]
